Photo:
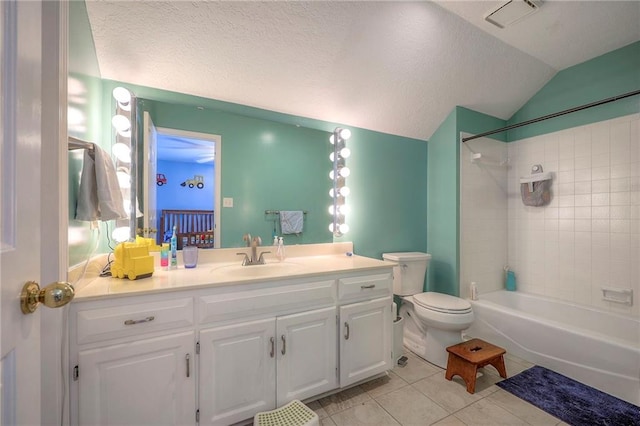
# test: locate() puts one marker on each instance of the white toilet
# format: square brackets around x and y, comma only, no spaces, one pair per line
[432,321]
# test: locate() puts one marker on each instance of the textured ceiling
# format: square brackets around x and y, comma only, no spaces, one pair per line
[394,67]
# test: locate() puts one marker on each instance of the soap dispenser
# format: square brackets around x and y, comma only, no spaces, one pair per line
[280,250]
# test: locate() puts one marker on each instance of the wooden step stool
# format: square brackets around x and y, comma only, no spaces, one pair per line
[465,358]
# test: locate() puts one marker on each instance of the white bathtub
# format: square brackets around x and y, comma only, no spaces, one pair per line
[594,347]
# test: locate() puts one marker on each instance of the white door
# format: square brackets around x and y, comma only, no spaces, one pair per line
[150,168]
[237,372]
[22,110]
[146,382]
[307,354]
[365,340]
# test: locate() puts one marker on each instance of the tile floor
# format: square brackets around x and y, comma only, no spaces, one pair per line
[418,394]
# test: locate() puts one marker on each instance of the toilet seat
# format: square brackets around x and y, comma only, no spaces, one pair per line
[443,303]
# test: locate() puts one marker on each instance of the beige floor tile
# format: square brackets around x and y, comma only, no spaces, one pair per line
[366,413]
[450,421]
[485,412]
[317,408]
[416,369]
[327,422]
[410,407]
[522,409]
[450,395]
[519,360]
[343,400]
[383,385]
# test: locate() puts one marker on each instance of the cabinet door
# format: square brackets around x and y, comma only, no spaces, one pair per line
[307,354]
[146,382]
[237,371]
[365,340]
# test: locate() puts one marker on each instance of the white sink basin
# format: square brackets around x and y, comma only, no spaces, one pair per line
[268,269]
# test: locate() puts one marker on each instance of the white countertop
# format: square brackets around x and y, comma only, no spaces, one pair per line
[211,272]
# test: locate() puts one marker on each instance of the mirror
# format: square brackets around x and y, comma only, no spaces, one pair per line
[264,167]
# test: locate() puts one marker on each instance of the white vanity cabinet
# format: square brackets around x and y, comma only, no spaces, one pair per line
[133,363]
[217,355]
[365,327]
[258,365]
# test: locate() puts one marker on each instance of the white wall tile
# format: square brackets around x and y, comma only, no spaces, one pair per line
[587,238]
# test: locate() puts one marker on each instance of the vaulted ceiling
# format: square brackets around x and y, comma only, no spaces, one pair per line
[395,67]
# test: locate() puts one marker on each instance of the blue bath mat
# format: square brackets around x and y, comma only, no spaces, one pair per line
[573,402]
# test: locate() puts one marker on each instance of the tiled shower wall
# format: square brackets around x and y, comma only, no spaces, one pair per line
[587,238]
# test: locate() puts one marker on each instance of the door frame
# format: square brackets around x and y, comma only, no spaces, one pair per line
[54,201]
[217,171]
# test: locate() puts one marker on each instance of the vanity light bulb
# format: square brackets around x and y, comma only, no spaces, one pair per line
[344,209]
[121,123]
[122,152]
[331,210]
[121,234]
[331,175]
[331,193]
[331,157]
[331,227]
[344,228]
[345,134]
[345,152]
[344,191]
[123,98]
[344,172]
[332,139]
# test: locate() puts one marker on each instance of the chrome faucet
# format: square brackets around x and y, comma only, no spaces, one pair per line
[253,243]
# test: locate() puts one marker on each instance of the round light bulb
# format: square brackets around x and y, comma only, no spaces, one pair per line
[121,123]
[345,134]
[332,139]
[331,227]
[344,228]
[345,152]
[331,157]
[344,209]
[344,172]
[122,152]
[344,191]
[331,209]
[331,175]
[123,97]
[121,234]
[331,193]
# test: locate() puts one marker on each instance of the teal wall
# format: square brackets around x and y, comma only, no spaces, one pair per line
[444,192]
[85,122]
[612,74]
[388,175]
[606,76]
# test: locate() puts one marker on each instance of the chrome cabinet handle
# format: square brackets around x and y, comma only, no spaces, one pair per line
[273,347]
[346,331]
[284,345]
[140,321]
[187,358]
[368,286]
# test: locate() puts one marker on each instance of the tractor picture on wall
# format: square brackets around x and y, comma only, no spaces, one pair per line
[160,179]
[197,181]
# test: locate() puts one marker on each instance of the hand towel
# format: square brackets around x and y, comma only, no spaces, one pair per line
[99,195]
[291,221]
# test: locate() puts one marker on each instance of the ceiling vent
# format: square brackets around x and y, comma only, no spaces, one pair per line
[512,11]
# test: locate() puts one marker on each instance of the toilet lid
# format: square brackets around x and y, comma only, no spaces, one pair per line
[442,303]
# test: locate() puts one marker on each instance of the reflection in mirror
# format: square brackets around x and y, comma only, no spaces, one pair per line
[267,166]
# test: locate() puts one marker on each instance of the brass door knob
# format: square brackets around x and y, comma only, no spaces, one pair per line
[53,296]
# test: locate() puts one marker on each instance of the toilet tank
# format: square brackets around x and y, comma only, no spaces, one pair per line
[408,276]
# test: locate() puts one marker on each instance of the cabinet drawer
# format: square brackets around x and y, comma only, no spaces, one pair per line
[273,300]
[94,325]
[364,287]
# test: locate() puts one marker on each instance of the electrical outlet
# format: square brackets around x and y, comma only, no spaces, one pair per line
[227,202]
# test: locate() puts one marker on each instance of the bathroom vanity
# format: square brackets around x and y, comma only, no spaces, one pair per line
[221,342]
